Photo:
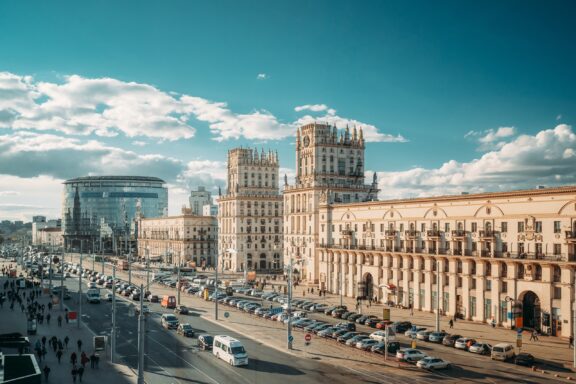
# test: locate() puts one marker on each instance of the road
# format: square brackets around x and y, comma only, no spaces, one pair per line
[175,359]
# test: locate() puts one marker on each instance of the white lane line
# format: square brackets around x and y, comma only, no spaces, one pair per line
[184,360]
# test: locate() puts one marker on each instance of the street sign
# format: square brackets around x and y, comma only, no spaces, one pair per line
[519,343]
[386,314]
[290,338]
[72,317]
[519,331]
[226,314]
[99,343]
[308,337]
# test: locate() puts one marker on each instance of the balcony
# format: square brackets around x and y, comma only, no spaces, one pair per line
[459,233]
[411,235]
[487,235]
[346,232]
[571,236]
[462,252]
[433,234]
[391,234]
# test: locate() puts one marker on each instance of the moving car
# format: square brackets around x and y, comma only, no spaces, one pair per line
[432,363]
[185,330]
[524,359]
[169,321]
[502,352]
[181,309]
[481,348]
[168,301]
[205,341]
[230,350]
[410,355]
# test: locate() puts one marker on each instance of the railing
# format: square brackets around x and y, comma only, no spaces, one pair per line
[459,233]
[433,233]
[391,233]
[411,234]
[487,234]
[571,235]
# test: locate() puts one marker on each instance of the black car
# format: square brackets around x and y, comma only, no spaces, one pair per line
[205,341]
[524,359]
[393,347]
[185,330]
[181,309]
[354,317]
[449,340]
[372,322]
[402,326]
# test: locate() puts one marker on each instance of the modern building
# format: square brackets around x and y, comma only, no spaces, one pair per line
[250,213]
[210,210]
[198,199]
[99,212]
[186,239]
[329,168]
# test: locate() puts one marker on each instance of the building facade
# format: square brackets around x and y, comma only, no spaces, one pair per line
[210,210]
[37,226]
[198,199]
[99,211]
[51,236]
[186,239]
[507,256]
[250,213]
[329,168]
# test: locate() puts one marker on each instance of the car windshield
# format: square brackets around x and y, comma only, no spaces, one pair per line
[237,350]
[186,326]
[208,339]
[171,318]
[498,349]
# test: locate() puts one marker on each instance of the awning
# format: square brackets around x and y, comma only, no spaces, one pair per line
[390,287]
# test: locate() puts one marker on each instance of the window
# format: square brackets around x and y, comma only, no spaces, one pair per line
[474,227]
[538,227]
[504,227]
[557,249]
[488,285]
[504,246]
[556,227]
[401,228]
[504,286]
[446,227]
[557,292]
[520,226]
[472,306]
[423,227]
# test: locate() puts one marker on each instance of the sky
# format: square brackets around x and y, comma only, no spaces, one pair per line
[453,96]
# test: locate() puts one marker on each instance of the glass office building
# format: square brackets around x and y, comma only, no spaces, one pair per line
[99,212]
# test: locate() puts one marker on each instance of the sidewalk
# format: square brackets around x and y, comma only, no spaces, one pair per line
[15,321]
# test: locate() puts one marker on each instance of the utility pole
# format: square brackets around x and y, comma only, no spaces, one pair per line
[62,281]
[129,264]
[216,288]
[113,333]
[93,254]
[178,284]
[574,334]
[147,267]
[102,255]
[289,330]
[141,335]
[437,296]
[50,266]
[386,343]
[80,286]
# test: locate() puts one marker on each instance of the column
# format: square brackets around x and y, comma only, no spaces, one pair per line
[428,285]
[418,264]
[452,287]
[467,287]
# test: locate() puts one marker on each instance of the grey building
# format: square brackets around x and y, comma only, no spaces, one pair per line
[198,199]
[99,212]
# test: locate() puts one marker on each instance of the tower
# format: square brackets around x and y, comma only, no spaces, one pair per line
[250,213]
[329,170]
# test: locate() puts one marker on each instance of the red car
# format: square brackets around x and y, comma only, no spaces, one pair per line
[383,324]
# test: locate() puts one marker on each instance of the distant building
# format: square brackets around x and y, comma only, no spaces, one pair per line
[38,226]
[51,236]
[198,199]
[186,239]
[38,219]
[210,210]
[100,211]
[250,213]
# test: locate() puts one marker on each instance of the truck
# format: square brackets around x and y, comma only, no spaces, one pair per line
[93,295]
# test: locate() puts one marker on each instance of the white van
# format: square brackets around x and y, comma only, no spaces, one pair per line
[230,350]
[502,351]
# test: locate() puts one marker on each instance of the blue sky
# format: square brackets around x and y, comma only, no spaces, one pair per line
[456,95]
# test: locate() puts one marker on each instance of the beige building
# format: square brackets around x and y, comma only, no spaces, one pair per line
[507,256]
[329,168]
[50,236]
[183,239]
[250,213]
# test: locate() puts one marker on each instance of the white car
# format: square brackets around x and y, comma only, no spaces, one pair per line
[381,335]
[462,343]
[433,363]
[410,355]
[481,348]
[413,331]
[436,337]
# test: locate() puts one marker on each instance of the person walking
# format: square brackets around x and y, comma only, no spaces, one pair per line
[59,355]
[74,373]
[60,320]
[46,372]
[83,360]
[451,323]
[73,358]
[80,372]
[533,336]
[66,340]
[48,318]
[66,316]
[92,360]
[79,343]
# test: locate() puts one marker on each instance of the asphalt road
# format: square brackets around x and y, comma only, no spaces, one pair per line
[172,358]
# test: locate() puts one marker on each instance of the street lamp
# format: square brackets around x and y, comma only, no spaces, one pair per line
[512,314]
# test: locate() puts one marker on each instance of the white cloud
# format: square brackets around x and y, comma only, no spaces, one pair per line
[44,192]
[558,117]
[312,107]
[491,138]
[262,76]
[138,143]
[543,159]
[9,193]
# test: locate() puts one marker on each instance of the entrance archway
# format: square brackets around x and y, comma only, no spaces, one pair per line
[368,286]
[531,314]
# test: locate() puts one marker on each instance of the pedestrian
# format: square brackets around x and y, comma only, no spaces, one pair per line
[43,340]
[79,343]
[97,360]
[73,358]
[83,359]
[59,355]
[451,324]
[74,373]
[493,323]
[66,316]
[46,371]
[571,342]
[39,353]
[66,340]
[60,320]
[48,319]
[92,360]
[411,310]
[532,337]
[80,372]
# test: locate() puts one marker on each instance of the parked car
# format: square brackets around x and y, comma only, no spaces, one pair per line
[372,322]
[182,309]
[205,341]
[357,338]
[347,336]
[432,363]
[449,340]
[401,326]
[502,351]
[464,343]
[410,355]
[327,333]
[366,344]
[185,330]
[393,347]
[524,359]
[383,324]
[108,297]
[381,335]
[153,298]
[436,337]
[480,348]
[414,331]
[423,335]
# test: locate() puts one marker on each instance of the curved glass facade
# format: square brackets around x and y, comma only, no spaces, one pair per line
[101,210]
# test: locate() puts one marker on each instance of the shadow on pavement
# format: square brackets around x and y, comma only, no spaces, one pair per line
[271,367]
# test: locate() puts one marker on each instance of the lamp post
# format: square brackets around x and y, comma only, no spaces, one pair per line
[178,284]
[141,335]
[289,329]
[437,296]
[113,333]
[80,285]
[512,317]
[147,267]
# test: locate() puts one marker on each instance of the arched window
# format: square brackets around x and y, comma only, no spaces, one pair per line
[520,273]
[556,274]
[488,269]
[537,272]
